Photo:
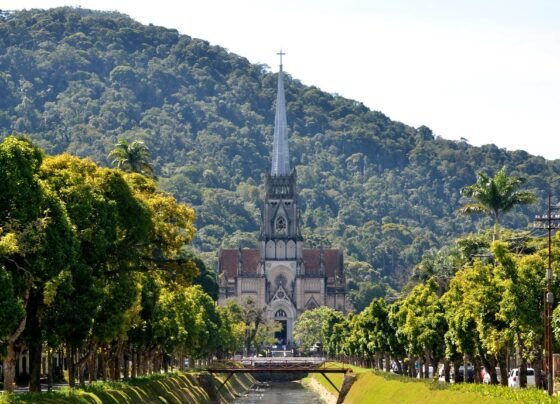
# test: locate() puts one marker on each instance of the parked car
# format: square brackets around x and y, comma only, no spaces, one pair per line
[486,376]
[459,375]
[514,376]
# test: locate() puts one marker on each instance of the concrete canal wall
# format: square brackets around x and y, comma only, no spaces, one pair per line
[192,387]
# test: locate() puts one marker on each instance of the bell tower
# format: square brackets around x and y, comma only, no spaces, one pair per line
[280,237]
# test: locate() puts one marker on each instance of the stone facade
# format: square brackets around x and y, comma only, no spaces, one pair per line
[282,276]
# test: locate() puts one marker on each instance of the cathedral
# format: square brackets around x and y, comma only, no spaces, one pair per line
[282,276]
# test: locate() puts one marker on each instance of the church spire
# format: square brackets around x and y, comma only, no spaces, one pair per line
[280,154]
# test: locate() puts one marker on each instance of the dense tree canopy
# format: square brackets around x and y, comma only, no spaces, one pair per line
[93,261]
[491,308]
[82,81]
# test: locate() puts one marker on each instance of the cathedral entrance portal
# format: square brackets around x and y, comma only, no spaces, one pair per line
[284,323]
[282,334]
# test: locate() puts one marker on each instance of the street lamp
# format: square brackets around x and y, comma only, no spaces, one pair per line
[550,222]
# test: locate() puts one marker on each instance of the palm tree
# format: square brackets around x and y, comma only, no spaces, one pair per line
[132,157]
[495,196]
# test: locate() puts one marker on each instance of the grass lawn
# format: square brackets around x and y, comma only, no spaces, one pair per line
[380,387]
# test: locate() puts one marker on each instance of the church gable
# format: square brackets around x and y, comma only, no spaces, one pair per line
[280,295]
[311,304]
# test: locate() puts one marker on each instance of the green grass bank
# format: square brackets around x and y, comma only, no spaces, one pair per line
[191,387]
[380,387]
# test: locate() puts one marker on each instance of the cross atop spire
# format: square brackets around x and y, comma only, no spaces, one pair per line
[280,54]
[280,153]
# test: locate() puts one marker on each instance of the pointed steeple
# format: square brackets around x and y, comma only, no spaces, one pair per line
[280,154]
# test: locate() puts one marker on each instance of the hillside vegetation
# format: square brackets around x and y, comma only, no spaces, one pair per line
[78,80]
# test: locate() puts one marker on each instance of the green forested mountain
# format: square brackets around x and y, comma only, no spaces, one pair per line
[77,80]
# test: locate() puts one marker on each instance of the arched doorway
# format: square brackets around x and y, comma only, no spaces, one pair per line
[284,314]
[281,335]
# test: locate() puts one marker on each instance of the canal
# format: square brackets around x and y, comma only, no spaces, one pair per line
[280,393]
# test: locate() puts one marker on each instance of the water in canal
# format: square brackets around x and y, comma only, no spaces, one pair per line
[280,393]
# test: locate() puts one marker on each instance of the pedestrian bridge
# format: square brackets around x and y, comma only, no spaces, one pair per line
[297,367]
[285,362]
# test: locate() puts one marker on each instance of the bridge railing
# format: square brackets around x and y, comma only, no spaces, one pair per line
[293,361]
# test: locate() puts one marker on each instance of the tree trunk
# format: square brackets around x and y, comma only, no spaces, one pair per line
[164,362]
[126,360]
[92,366]
[116,369]
[103,365]
[456,365]
[141,364]
[539,382]
[523,373]
[446,370]
[502,361]
[490,366]
[71,353]
[34,341]
[50,369]
[82,366]
[476,370]
[10,368]
[134,370]
[181,361]
[427,363]
[35,356]
[10,361]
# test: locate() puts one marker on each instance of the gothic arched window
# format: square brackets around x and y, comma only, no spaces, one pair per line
[280,313]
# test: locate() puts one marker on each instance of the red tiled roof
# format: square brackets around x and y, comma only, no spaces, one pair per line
[312,261]
[332,262]
[228,262]
[229,257]
[250,260]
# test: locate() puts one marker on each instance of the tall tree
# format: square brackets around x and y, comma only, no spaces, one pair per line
[38,248]
[424,323]
[132,157]
[495,196]
[308,328]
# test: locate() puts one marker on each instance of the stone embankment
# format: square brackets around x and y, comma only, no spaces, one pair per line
[179,388]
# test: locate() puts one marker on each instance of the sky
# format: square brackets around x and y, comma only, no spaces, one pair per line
[487,71]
